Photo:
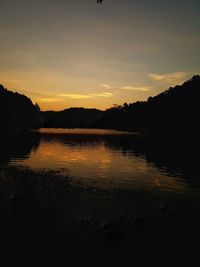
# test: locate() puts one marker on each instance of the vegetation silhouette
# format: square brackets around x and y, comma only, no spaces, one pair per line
[17,112]
[172,114]
[71,118]
[167,117]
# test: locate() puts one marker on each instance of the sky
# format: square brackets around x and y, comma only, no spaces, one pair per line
[76,53]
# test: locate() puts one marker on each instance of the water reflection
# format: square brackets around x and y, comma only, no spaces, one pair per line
[17,146]
[103,159]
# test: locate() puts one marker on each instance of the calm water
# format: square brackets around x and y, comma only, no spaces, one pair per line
[101,158]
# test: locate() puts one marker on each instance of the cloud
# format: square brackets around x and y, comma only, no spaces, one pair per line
[169,78]
[75,96]
[49,100]
[137,88]
[105,94]
[87,96]
[106,86]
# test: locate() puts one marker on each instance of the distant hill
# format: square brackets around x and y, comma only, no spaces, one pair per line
[173,112]
[72,118]
[17,112]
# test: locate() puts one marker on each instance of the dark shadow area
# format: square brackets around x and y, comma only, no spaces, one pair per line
[167,117]
[71,118]
[17,145]
[17,112]
[45,220]
[178,159]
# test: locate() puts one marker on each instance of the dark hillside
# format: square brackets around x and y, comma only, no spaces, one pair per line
[72,118]
[17,112]
[172,112]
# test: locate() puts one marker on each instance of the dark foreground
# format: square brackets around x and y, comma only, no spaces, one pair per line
[46,220]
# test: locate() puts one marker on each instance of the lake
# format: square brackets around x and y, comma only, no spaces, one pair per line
[99,158]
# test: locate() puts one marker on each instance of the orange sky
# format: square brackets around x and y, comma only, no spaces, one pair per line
[76,53]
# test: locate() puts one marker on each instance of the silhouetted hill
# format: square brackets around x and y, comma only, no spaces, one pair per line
[17,112]
[72,118]
[173,112]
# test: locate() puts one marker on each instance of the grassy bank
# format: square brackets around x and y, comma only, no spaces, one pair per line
[46,218]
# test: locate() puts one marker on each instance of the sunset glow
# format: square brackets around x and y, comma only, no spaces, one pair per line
[77,53]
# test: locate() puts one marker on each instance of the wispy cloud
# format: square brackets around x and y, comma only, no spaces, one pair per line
[49,99]
[74,96]
[169,78]
[86,96]
[105,94]
[106,86]
[137,88]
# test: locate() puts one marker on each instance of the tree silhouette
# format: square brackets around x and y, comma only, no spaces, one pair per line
[17,112]
[172,112]
[37,106]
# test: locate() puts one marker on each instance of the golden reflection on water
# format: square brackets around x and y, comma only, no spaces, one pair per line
[99,165]
[82,131]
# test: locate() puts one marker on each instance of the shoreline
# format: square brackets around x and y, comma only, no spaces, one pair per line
[43,211]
